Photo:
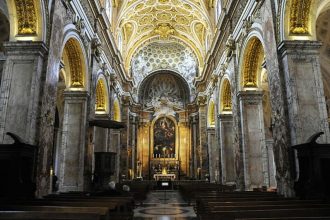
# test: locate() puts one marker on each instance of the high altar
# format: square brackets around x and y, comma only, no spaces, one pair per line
[164,176]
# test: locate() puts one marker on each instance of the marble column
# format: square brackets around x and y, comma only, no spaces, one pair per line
[253,138]
[304,89]
[133,138]
[203,148]
[124,142]
[73,146]
[193,148]
[21,85]
[226,149]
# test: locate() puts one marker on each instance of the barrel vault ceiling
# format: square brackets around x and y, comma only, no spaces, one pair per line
[141,22]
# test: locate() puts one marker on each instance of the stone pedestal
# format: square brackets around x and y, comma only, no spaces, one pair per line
[304,89]
[226,149]
[254,146]
[73,144]
[21,84]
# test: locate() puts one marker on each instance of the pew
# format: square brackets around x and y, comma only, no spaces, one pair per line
[237,205]
[10,211]
[47,215]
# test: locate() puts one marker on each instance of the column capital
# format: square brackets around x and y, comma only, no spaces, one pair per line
[250,96]
[69,94]
[20,48]
[225,117]
[299,47]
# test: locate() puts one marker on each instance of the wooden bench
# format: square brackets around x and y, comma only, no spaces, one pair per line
[264,213]
[49,215]
[116,209]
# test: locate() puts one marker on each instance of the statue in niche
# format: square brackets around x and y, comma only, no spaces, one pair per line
[164,138]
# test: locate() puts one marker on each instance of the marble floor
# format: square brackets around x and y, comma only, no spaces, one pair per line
[164,205]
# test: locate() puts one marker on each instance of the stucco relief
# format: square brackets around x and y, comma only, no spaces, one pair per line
[163,96]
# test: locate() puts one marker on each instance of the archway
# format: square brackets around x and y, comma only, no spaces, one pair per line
[226,133]
[27,20]
[213,148]
[72,107]
[255,117]
[163,94]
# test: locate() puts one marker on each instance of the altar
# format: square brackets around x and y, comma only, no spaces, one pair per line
[161,176]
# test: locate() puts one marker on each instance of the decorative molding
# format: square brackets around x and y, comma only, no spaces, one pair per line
[164,30]
[201,100]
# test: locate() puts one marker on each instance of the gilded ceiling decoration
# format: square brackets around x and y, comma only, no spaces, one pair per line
[143,20]
[254,56]
[226,97]
[211,114]
[75,64]
[164,56]
[100,103]
[299,16]
[26,17]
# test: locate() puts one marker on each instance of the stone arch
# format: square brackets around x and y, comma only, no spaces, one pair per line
[116,110]
[251,62]
[211,114]
[27,19]
[225,97]
[74,64]
[101,97]
[299,18]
